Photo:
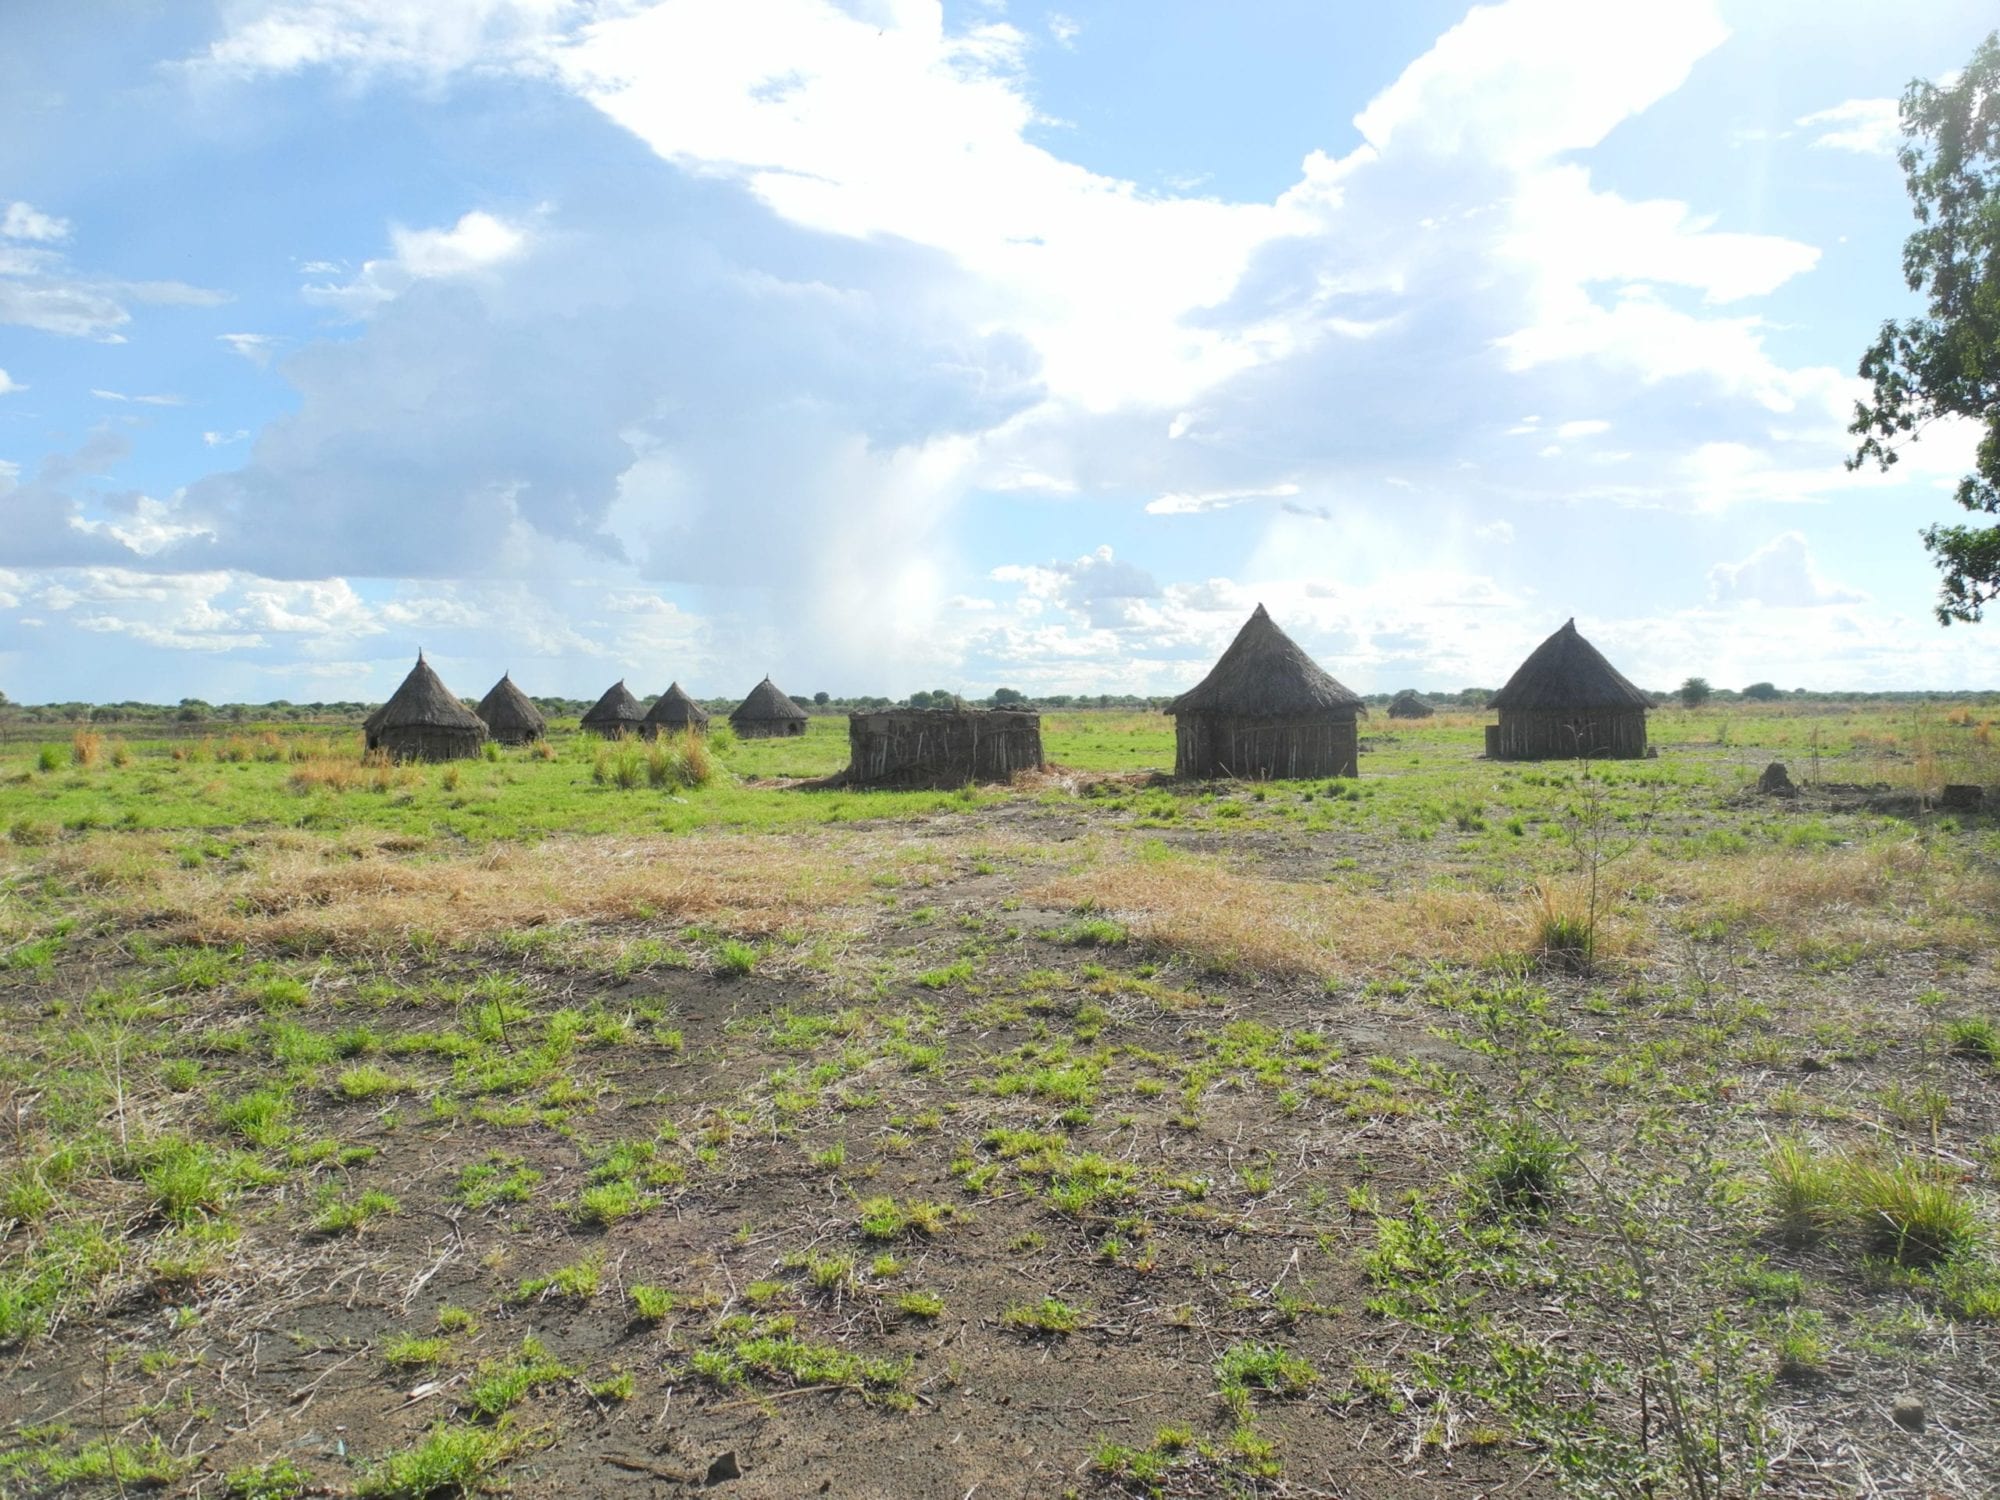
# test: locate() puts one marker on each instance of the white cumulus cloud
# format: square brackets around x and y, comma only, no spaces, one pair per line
[23,221]
[1867,127]
[1781,574]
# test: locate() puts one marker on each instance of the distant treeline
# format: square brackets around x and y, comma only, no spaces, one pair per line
[191,713]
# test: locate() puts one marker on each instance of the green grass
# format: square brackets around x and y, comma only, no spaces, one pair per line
[277,1479]
[498,1179]
[451,1461]
[499,1385]
[188,1180]
[780,1357]
[1051,1316]
[1805,1193]
[352,1215]
[650,1304]
[1522,1169]
[885,1218]
[577,1283]
[1902,1210]
[515,795]
[1975,1037]
[1263,1367]
[404,1351]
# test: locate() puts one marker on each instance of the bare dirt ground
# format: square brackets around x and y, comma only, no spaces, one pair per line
[1059,1146]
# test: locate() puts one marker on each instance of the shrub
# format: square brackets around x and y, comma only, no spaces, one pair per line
[85,748]
[49,758]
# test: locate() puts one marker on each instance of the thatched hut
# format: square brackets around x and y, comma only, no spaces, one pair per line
[767,714]
[423,721]
[616,714]
[675,712]
[941,747]
[1566,701]
[1266,711]
[510,715]
[1407,705]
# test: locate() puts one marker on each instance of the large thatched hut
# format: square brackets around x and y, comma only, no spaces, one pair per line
[510,715]
[673,712]
[1266,711]
[423,721]
[767,714]
[941,746]
[1409,705]
[1566,701]
[616,714]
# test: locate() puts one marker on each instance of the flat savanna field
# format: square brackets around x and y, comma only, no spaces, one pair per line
[545,1123]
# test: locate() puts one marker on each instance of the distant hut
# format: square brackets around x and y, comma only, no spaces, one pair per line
[423,721]
[1567,701]
[1266,711]
[768,714]
[941,747]
[674,712]
[616,714]
[1407,705]
[510,715]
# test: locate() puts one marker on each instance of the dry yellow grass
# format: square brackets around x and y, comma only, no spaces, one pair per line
[1223,917]
[1888,897]
[366,892]
[1895,895]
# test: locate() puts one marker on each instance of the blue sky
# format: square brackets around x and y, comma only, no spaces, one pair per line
[881,346]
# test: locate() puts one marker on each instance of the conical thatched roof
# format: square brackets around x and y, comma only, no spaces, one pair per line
[675,709]
[616,707]
[509,711]
[766,703]
[1409,704]
[422,702]
[1566,671]
[1264,675]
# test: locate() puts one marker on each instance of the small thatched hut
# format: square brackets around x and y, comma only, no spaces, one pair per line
[673,712]
[1266,711]
[767,714]
[941,746]
[510,715]
[616,714]
[1566,701]
[423,721]
[1407,705]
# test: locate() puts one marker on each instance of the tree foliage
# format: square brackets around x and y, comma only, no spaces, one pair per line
[1947,363]
[1695,692]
